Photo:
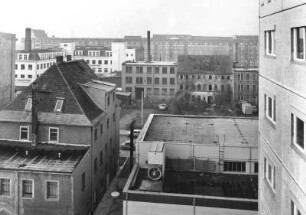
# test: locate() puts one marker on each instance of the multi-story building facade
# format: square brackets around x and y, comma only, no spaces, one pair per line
[246,85]
[153,80]
[194,165]
[245,51]
[104,60]
[59,143]
[282,102]
[7,63]
[207,78]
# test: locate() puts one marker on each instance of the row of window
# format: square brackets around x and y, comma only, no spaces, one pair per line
[297,122]
[92,53]
[24,76]
[247,98]
[241,77]
[210,77]
[246,88]
[204,88]
[99,70]
[27,188]
[238,166]
[99,62]
[164,91]
[140,69]
[298,44]
[38,66]
[139,80]
[53,136]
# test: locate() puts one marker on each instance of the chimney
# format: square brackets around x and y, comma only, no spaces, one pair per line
[59,59]
[28,40]
[34,114]
[149,46]
[68,58]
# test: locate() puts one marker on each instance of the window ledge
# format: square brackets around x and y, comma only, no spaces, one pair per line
[298,62]
[270,187]
[298,151]
[273,124]
[272,56]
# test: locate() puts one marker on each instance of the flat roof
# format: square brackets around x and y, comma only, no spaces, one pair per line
[201,183]
[153,63]
[202,130]
[17,155]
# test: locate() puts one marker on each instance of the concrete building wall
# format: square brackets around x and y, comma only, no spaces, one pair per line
[282,78]
[7,63]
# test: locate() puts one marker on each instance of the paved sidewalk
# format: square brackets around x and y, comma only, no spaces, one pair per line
[109,206]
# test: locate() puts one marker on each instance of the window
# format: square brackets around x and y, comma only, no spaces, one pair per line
[210,87]
[139,80]
[53,134]
[139,69]
[27,188]
[172,70]
[22,76]
[270,107]
[52,190]
[164,70]
[297,131]
[247,88]
[105,62]
[156,80]
[30,76]
[83,185]
[172,81]
[269,42]
[298,43]
[254,88]
[294,209]
[156,70]
[107,123]
[30,67]
[156,91]
[99,62]
[256,167]
[149,70]
[129,69]
[16,66]
[149,80]
[269,172]
[93,61]
[108,99]
[22,67]
[164,91]
[101,157]
[210,77]
[28,106]
[96,134]
[164,81]
[59,105]
[222,88]
[95,165]
[234,166]
[24,133]
[172,91]
[5,187]
[114,117]
[129,89]
[128,80]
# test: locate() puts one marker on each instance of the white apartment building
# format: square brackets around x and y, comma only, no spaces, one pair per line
[282,107]
[31,64]
[103,60]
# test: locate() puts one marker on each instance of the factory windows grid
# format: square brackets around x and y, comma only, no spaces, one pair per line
[234,166]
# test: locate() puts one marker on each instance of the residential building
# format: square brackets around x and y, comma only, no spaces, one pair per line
[31,63]
[155,80]
[208,78]
[7,61]
[246,51]
[194,165]
[282,102]
[246,85]
[60,141]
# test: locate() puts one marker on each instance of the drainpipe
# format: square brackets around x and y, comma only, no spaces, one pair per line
[18,193]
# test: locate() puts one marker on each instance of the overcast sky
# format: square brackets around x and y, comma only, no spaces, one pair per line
[116,18]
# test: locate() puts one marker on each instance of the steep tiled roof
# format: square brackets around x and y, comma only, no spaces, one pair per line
[62,81]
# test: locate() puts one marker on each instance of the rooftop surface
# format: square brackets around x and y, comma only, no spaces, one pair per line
[207,184]
[203,130]
[153,63]
[43,157]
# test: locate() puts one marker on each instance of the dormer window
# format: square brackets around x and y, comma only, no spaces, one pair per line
[59,105]
[28,106]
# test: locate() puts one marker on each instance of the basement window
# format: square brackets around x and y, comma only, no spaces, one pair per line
[59,105]
[28,105]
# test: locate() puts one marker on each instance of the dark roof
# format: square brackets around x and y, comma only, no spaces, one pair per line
[216,64]
[62,80]
[16,155]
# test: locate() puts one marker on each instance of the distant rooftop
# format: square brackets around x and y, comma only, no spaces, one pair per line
[153,63]
[200,183]
[246,69]
[202,130]
[40,51]
[15,155]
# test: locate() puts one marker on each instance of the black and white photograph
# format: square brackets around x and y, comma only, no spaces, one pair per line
[160,107]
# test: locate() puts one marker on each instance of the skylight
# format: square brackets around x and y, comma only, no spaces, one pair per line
[59,105]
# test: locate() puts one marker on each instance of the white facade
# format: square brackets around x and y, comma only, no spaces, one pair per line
[282,107]
[121,54]
[31,65]
[68,48]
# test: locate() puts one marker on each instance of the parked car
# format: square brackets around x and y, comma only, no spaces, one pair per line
[125,145]
[162,106]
